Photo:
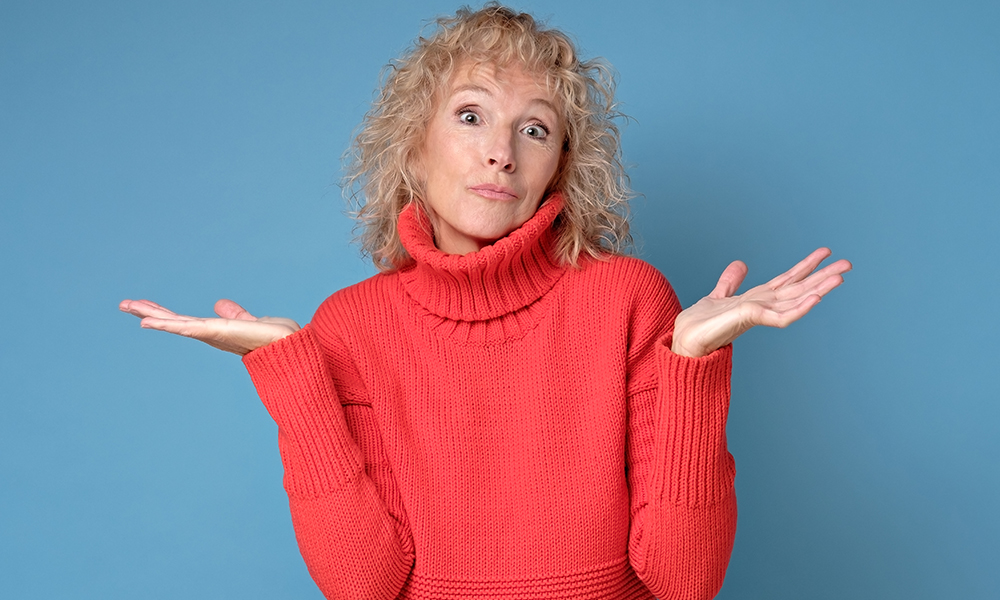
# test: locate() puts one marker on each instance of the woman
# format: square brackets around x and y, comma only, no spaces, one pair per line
[512,408]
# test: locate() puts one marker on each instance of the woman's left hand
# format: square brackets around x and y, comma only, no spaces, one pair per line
[722,316]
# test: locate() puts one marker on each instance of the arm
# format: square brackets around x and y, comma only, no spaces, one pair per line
[345,506]
[681,473]
[348,520]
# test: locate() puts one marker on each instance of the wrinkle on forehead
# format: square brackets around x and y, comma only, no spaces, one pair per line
[475,69]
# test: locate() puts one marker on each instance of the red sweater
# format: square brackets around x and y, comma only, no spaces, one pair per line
[496,425]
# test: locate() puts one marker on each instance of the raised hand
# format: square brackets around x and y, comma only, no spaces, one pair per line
[237,331]
[722,316]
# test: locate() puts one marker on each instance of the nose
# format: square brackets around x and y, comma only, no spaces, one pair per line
[500,153]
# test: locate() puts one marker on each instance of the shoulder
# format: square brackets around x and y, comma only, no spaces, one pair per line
[627,278]
[365,301]
[652,306]
[344,326]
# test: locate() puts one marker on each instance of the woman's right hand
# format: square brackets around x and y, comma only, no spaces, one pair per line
[237,331]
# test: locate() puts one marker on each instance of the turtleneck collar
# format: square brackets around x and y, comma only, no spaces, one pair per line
[501,278]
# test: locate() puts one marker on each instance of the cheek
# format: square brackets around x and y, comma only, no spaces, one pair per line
[417,160]
[557,164]
[440,160]
[553,167]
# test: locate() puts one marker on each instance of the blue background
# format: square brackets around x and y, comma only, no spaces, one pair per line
[188,151]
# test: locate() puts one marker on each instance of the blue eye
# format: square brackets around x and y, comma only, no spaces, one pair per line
[535,131]
[468,117]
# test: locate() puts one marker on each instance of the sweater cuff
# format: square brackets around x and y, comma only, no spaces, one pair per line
[692,409]
[295,385]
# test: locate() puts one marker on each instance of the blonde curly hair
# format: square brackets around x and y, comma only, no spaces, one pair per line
[380,180]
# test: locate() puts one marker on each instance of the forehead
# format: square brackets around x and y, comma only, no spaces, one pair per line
[490,78]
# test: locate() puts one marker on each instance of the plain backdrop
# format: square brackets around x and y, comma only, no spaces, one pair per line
[186,151]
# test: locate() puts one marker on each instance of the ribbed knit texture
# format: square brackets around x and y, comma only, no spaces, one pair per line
[496,425]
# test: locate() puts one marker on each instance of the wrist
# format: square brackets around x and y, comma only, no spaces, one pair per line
[680,349]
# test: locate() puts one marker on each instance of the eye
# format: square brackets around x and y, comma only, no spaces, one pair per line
[468,117]
[536,131]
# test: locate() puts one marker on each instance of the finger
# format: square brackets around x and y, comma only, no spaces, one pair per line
[147,308]
[227,309]
[730,280]
[800,270]
[821,282]
[190,327]
[785,318]
[836,268]
[294,326]
[146,304]
[232,335]
[210,331]
[827,278]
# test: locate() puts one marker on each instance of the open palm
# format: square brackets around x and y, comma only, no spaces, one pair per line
[236,330]
[722,316]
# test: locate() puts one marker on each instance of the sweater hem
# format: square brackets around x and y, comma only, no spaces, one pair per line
[611,581]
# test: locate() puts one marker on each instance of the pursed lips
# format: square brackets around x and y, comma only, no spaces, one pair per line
[494,192]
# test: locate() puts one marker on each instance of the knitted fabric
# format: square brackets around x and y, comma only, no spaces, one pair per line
[497,425]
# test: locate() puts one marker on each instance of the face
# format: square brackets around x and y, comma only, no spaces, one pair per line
[491,150]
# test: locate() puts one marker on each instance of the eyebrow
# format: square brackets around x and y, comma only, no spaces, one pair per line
[478,89]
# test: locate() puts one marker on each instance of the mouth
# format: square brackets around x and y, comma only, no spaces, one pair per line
[494,192]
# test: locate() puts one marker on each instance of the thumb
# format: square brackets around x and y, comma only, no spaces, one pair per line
[730,280]
[227,309]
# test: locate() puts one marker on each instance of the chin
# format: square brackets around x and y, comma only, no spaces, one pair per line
[489,231]
[490,235]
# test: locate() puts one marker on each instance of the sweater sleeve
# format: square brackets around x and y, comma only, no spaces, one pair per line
[680,473]
[347,518]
